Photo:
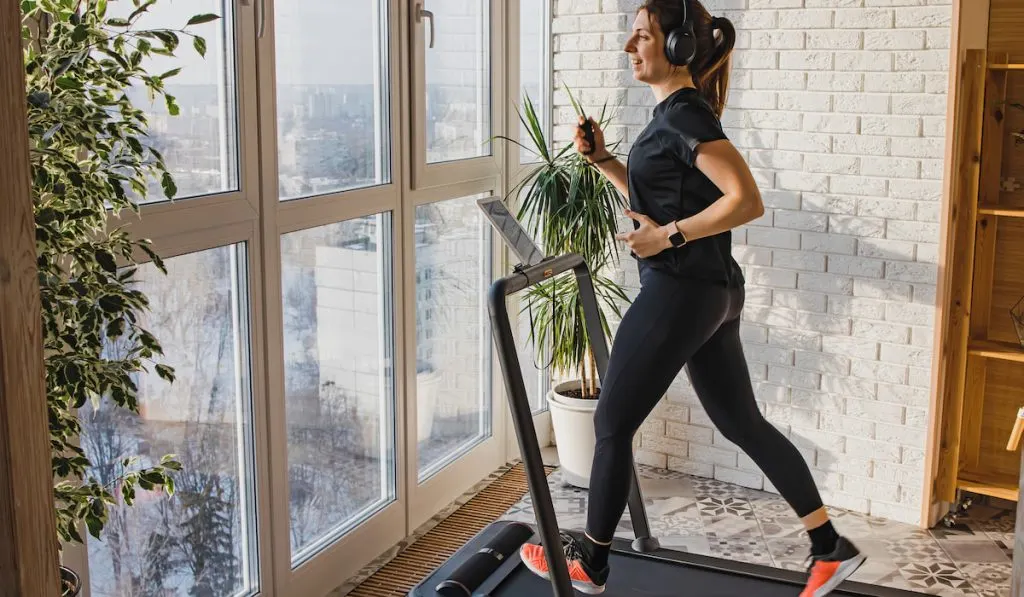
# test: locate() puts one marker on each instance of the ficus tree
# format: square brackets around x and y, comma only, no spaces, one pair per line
[91,159]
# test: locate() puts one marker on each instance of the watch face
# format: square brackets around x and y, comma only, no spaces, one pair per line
[677,239]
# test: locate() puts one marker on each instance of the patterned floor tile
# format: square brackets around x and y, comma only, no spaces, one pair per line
[789,553]
[673,506]
[882,573]
[1004,541]
[743,547]
[982,550]
[989,579]
[698,543]
[937,578]
[914,549]
[782,527]
[666,487]
[728,526]
[717,489]
[725,506]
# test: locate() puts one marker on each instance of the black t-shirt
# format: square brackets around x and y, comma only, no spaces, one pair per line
[665,185]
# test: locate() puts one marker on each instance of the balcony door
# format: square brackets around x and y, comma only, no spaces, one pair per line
[455,437]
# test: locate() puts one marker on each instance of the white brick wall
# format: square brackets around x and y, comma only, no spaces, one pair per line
[838,106]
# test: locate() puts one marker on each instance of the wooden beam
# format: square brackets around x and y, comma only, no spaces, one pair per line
[969,30]
[29,565]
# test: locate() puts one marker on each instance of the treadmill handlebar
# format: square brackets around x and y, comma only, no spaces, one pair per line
[522,415]
[526,276]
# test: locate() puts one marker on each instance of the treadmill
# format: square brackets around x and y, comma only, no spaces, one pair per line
[489,564]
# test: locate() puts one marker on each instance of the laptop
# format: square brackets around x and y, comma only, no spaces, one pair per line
[511,230]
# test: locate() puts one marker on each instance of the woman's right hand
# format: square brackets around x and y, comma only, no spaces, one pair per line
[582,146]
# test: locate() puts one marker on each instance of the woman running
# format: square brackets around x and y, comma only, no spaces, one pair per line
[687,187]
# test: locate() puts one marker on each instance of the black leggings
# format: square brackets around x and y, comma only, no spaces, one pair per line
[671,323]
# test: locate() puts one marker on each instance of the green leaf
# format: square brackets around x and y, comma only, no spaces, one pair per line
[106,260]
[166,373]
[167,182]
[170,73]
[39,99]
[95,525]
[68,83]
[116,22]
[202,18]
[200,45]
[172,105]
[111,303]
[79,33]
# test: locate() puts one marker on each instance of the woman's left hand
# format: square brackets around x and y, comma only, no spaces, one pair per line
[649,239]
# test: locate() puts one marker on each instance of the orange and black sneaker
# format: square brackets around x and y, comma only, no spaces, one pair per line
[584,578]
[827,571]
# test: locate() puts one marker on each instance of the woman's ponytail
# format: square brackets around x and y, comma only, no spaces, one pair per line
[710,69]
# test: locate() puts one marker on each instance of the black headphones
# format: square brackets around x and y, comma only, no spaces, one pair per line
[681,43]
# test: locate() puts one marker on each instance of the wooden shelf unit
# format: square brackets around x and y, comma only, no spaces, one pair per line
[984,388]
[1005,212]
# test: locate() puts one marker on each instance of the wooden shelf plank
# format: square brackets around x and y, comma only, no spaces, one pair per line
[1000,486]
[1011,66]
[997,350]
[1000,210]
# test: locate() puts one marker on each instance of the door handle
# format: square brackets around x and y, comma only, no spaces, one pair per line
[422,13]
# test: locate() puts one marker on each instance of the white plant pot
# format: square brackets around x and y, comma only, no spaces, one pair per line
[426,403]
[573,423]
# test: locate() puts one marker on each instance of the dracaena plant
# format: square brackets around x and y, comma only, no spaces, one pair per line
[570,207]
[90,158]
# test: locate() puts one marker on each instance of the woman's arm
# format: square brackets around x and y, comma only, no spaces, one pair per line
[614,171]
[609,166]
[740,202]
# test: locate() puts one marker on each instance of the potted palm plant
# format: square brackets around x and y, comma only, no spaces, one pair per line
[569,207]
[90,157]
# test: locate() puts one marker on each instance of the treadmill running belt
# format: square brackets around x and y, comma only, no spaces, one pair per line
[647,577]
[489,566]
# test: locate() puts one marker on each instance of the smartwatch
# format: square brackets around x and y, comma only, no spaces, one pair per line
[677,239]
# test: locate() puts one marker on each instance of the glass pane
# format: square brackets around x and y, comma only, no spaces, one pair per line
[332,100]
[201,540]
[533,66]
[453,397]
[200,143]
[532,363]
[458,80]
[336,283]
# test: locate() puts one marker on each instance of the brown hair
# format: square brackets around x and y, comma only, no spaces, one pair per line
[710,66]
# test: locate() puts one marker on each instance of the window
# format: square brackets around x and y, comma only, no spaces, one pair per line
[332,100]
[534,70]
[453,348]
[458,81]
[532,364]
[201,541]
[336,281]
[200,143]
